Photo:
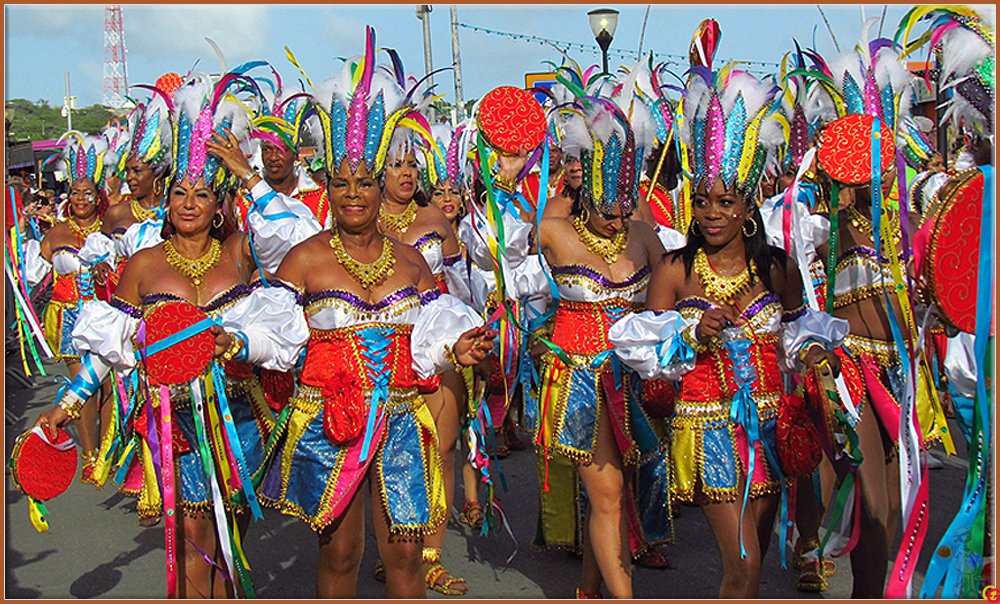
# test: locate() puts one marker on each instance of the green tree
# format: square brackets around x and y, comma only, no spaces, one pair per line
[39,121]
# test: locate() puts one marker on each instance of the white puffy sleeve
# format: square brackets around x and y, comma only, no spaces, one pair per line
[804,327]
[530,282]
[277,223]
[670,238]
[140,236]
[813,229]
[476,232]
[35,266]
[98,248]
[458,278]
[480,284]
[271,323]
[960,364]
[443,318]
[655,344]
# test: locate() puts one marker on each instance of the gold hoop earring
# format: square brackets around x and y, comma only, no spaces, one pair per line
[158,187]
[751,233]
[222,221]
[694,228]
[585,216]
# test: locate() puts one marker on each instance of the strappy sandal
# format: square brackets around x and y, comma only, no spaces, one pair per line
[449,587]
[89,459]
[472,515]
[380,572]
[811,578]
[582,596]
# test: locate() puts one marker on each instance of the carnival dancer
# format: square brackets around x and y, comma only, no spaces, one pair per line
[589,407]
[716,311]
[376,325]
[196,265]
[957,204]
[87,162]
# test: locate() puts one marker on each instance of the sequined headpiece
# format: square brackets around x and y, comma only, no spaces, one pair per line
[967,48]
[199,109]
[804,107]
[86,157]
[360,110]
[596,127]
[285,117]
[149,135]
[441,162]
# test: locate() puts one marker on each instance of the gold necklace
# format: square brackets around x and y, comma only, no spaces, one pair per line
[863,224]
[194,268]
[140,213]
[365,274]
[609,249]
[397,222]
[83,231]
[718,287]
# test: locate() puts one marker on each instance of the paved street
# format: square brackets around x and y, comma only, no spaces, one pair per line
[96,548]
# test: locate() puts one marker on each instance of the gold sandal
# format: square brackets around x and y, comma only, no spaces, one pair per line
[432,556]
[89,459]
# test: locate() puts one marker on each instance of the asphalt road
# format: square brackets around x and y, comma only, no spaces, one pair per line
[96,548]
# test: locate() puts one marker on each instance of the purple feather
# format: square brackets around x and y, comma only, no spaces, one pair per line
[166,97]
[872,104]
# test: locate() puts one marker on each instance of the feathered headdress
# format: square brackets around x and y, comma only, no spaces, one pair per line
[149,135]
[442,162]
[871,80]
[727,127]
[361,108]
[199,109]
[284,117]
[805,106]
[966,45]
[86,157]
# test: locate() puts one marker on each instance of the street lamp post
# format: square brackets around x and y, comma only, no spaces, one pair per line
[603,22]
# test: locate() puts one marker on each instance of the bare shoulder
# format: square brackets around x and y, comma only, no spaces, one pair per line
[640,228]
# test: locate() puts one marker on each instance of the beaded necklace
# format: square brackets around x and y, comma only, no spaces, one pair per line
[721,288]
[83,231]
[609,249]
[397,222]
[365,274]
[140,213]
[194,268]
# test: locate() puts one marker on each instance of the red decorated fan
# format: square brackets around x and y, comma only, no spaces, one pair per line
[42,469]
[169,83]
[511,118]
[846,148]
[952,265]
[184,360]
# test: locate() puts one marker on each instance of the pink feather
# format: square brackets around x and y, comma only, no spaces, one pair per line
[201,134]
[715,138]
[873,106]
[357,120]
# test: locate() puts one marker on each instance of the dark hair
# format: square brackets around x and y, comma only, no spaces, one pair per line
[669,171]
[422,199]
[755,247]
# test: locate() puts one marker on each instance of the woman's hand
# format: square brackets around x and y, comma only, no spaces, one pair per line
[222,340]
[817,354]
[511,165]
[474,345]
[714,320]
[101,272]
[55,417]
[228,149]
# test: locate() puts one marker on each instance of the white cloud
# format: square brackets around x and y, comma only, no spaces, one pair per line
[179,32]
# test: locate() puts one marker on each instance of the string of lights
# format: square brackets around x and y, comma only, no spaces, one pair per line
[764,67]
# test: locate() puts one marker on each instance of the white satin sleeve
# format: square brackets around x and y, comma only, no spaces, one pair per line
[670,238]
[457,278]
[35,265]
[813,230]
[278,223]
[651,343]
[812,327]
[98,248]
[273,324]
[105,332]
[439,325]
[530,281]
[480,284]
[476,232]
[960,364]
[140,236]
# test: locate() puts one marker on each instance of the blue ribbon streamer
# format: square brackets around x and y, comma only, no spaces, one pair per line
[219,383]
[180,336]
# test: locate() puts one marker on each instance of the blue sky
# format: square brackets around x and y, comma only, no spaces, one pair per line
[43,42]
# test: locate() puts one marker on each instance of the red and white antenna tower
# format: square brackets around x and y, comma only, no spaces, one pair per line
[115,72]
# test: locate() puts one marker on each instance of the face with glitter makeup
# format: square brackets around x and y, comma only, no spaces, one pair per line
[448,199]
[354,196]
[83,199]
[719,213]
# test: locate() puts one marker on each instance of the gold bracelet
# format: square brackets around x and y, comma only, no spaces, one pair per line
[451,357]
[503,183]
[234,349]
[688,336]
[72,408]
[809,346]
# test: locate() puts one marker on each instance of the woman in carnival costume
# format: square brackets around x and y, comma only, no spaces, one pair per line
[196,264]
[146,142]
[965,44]
[590,416]
[716,312]
[376,324]
[86,163]
[865,250]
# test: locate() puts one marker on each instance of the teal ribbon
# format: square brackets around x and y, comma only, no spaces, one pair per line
[219,383]
[180,336]
[679,351]
[374,345]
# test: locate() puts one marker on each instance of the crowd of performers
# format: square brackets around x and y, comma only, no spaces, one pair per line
[703,287]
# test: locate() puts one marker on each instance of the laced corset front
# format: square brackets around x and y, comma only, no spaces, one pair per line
[707,390]
[591,303]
